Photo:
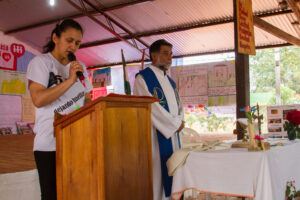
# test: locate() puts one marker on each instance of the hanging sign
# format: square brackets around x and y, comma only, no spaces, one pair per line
[246,42]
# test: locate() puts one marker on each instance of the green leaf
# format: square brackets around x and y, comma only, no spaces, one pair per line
[287,191]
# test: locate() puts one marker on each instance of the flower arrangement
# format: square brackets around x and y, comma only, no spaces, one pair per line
[259,141]
[249,111]
[292,124]
[290,191]
[258,138]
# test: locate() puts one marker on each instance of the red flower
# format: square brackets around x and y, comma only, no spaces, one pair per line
[257,137]
[294,117]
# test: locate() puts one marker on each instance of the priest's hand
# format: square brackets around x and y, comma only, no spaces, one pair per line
[181,126]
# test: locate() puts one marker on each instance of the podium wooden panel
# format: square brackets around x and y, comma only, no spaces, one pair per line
[103,150]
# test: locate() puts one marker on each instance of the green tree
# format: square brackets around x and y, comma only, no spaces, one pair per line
[262,71]
[190,119]
[213,123]
[287,96]
[290,68]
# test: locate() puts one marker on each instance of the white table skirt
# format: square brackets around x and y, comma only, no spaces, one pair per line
[237,172]
[20,186]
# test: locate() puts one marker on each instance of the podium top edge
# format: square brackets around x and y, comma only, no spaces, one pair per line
[127,98]
[109,98]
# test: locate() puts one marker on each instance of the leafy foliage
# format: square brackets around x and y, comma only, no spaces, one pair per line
[262,73]
[290,68]
[210,123]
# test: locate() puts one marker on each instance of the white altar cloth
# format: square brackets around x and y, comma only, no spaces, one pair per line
[20,186]
[237,172]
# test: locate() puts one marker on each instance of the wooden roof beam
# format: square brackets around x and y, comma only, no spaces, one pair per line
[295,8]
[275,31]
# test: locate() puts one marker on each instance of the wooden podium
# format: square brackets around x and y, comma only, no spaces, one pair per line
[103,150]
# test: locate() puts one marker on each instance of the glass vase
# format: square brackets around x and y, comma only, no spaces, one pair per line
[291,134]
[251,131]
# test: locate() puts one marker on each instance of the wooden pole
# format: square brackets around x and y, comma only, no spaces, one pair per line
[241,76]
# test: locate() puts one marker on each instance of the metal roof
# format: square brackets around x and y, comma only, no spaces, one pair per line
[193,27]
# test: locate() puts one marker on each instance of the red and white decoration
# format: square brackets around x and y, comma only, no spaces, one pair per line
[9,55]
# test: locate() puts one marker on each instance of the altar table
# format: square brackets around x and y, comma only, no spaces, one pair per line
[236,172]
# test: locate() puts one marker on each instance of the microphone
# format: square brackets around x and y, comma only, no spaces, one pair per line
[79,74]
[71,58]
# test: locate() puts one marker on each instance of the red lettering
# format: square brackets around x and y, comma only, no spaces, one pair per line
[244,24]
[4,47]
[242,12]
[244,46]
[245,38]
[244,31]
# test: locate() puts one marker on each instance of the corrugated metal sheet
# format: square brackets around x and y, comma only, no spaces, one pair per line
[18,13]
[150,16]
[199,40]
[264,5]
[162,14]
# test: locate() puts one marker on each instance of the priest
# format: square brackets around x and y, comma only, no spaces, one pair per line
[166,115]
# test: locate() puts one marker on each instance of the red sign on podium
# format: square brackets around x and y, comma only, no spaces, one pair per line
[99,92]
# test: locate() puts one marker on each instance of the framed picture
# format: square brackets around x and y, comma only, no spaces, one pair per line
[24,128]
[5,130]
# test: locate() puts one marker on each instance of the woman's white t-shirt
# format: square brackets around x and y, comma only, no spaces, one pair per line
[47,71]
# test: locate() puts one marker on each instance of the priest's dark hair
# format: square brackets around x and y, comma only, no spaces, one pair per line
[155,46]
[59,28]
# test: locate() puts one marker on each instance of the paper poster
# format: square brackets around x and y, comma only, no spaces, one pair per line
[28,110]
[13,83]
[221,74]
[9,54]
[276,116]
[222,91]
[24,60]
[203,100]
[10,111]
[191,80]
[102,77]
[210,84]
[221,100]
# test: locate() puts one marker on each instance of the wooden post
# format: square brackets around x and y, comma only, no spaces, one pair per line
[241,76]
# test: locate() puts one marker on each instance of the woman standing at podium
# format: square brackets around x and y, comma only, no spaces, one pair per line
[54,85]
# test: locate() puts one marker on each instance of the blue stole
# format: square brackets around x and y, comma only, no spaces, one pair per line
[165,145]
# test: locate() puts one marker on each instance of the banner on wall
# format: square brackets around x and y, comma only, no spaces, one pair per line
[10,111]
[210,84]
[9,55]
[28,111]
[13,83]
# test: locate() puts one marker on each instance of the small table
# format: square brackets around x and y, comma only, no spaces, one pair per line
[236,172]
